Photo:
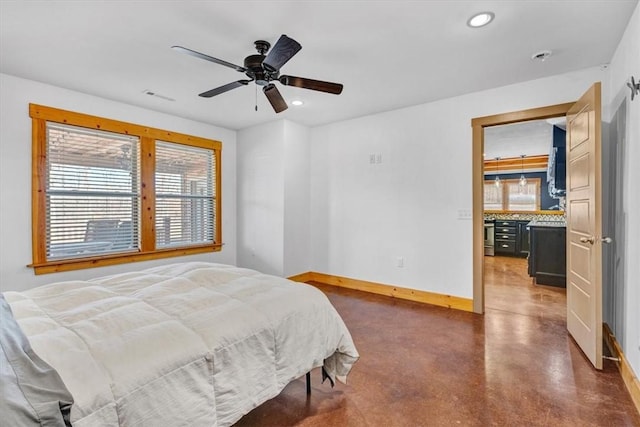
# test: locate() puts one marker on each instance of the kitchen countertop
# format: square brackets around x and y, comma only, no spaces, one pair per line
[536,223]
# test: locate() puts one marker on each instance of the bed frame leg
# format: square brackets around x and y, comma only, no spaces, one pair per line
[308,383]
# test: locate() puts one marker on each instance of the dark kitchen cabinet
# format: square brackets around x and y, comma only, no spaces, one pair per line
[522,242]
[547,257]
[511,238]
[505,237]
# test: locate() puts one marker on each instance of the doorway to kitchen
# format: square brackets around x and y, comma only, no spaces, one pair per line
[478,127]
[584,227]
[524,198]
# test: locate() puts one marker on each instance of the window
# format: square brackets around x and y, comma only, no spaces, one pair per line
[523,198]
[184,195]
[108,192]
[92,192]
[511,196]
[493,196]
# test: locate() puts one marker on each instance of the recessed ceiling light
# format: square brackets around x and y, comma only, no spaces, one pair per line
[480,19]
[297,102]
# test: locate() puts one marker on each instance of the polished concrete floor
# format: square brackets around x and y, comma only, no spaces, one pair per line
[423,365]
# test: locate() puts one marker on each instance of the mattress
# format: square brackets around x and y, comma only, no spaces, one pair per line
[197,344]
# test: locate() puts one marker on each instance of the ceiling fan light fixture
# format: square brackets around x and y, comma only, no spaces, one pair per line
[480,19]
[297,102]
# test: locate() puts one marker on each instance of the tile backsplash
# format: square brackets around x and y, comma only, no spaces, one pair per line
[526,216]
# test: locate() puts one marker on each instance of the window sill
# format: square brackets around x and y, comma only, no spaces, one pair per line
[115,259]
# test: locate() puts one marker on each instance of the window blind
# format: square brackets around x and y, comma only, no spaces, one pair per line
[92,192]
[523,198]
[185,202]
[492,196]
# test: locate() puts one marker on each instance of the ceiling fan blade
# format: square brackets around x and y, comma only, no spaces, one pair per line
[275,99]
[279,54]
[224,88]
[319,85]
[209,58]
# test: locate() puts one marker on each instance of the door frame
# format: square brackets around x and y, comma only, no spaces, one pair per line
[478,124]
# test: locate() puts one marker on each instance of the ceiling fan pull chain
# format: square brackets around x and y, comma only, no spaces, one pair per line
[256,97]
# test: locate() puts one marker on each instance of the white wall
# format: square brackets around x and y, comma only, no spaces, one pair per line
[15,175]
[297,239]
[626,63]
[260,197]
[273,198]
[364,216]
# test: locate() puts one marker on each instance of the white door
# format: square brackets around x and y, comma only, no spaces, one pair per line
[584,225]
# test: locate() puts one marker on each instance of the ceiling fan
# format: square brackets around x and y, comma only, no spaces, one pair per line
[264,68]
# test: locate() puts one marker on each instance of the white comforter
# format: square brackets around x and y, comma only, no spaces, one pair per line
[193,344]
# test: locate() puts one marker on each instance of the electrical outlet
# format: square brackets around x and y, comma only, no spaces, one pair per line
[399,262]
[372,159]
[378,158]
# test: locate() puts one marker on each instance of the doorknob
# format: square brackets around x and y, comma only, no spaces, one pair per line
[606,240]
[590,240]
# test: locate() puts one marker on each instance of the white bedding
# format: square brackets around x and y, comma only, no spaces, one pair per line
[193,344]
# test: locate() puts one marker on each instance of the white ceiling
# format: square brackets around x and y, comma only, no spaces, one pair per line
[532,138]
[388,54]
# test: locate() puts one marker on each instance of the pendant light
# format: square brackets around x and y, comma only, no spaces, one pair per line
[497,181]
[523,179]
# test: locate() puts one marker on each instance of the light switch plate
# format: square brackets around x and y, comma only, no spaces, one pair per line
[464,213]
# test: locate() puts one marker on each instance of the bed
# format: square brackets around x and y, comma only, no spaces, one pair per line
[194,344]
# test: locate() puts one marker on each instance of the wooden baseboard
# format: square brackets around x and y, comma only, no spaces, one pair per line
[458,303]
[304,277]
[628,376]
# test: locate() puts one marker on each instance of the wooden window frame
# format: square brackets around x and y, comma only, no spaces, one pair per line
[505,198]
[40,115]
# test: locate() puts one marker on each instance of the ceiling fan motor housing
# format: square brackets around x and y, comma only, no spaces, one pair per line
[253,64]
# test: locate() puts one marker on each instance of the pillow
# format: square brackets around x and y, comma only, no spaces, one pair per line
[31,392]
